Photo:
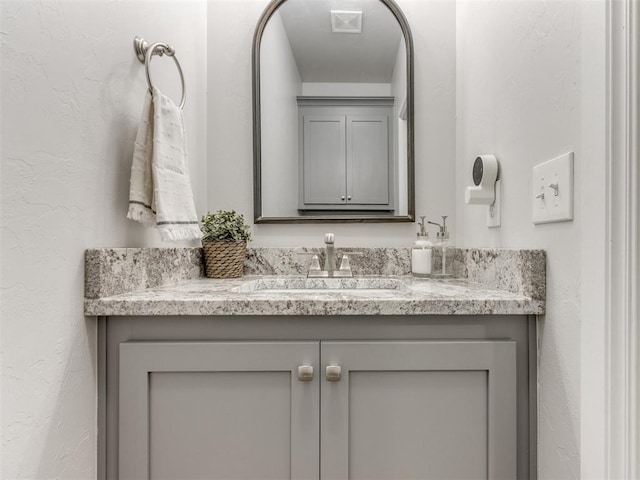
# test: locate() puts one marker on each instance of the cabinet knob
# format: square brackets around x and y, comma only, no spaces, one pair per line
[305,373]
[349,197]
[334,373]
[342,197]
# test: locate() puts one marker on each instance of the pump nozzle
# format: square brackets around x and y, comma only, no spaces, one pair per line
[423,230]
[443,233]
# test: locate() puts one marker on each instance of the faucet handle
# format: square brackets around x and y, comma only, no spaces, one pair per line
[344,264]
[329,238]
[315,264]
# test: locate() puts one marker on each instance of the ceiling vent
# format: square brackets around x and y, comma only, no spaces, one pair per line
[346,21]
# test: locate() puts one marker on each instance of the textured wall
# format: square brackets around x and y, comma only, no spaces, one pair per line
[525,80]
[71,98]
[230,174]
[529,88]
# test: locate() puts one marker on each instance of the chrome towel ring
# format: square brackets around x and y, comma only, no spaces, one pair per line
[144,52]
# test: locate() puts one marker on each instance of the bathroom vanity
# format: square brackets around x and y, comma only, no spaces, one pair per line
[269,377]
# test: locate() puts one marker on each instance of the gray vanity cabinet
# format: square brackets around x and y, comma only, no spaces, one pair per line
[218,410]
[373,409]
[345,155]
[412,410]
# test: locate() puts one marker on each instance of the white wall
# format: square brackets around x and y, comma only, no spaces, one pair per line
[330,89]
[230,175]
[529,89]
[280,84]
[594,242]
[71,99]
[531,82]
[399,93]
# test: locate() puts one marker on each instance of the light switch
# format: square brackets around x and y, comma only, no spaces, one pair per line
[552,193]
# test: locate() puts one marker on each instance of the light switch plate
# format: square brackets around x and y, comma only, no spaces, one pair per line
[552,192]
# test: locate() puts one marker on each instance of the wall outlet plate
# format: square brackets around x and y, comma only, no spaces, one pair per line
[552,191]
[494,214]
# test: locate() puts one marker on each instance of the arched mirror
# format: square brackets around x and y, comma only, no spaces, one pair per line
[333,112]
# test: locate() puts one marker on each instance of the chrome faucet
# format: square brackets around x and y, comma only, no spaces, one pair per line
[330,254]
[330,262]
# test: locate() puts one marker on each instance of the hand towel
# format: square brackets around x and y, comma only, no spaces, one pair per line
[160,188]
[141,205]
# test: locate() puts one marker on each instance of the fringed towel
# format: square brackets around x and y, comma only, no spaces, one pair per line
[160,189]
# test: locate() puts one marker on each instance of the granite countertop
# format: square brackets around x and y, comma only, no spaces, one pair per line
[204,296]
[147,282]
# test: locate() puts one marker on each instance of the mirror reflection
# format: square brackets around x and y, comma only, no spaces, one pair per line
[333,136]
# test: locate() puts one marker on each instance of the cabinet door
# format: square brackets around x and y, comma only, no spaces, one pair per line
[324,166]
[218,410]
[368,160]
[428,410]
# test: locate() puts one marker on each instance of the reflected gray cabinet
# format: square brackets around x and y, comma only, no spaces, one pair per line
[346,159]
[397,410]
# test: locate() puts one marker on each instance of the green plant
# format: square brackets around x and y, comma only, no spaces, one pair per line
[224,226]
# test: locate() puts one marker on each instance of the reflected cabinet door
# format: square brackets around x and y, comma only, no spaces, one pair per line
[218,410]
[368,167]
[428,410]
[324,160]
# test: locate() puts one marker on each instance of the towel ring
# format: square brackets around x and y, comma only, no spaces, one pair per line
[144,52]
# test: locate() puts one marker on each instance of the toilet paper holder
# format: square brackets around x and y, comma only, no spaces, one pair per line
[486,188]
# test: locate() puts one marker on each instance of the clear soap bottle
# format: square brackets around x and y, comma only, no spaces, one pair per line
[442,248]
[421,253]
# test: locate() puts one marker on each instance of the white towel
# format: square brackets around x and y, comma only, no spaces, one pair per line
[160,188]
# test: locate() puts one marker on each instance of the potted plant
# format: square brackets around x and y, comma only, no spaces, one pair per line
[224,239]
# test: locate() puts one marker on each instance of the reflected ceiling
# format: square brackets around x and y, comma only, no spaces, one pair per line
[344,57]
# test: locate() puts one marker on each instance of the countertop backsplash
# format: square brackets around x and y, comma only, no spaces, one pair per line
[113,271]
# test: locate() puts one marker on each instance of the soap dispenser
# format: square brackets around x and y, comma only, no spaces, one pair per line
[421,252]
[443,247]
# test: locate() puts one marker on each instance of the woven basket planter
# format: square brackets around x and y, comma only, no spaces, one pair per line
[224,259]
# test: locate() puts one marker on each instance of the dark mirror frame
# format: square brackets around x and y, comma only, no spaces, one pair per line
[257,164]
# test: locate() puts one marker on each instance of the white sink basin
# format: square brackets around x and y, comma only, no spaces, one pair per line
[320,285]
